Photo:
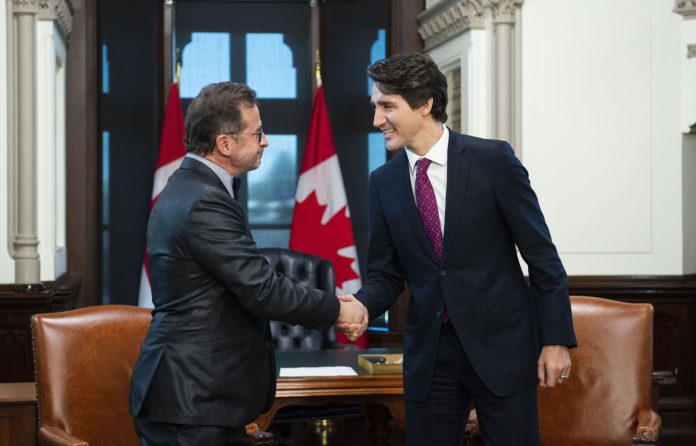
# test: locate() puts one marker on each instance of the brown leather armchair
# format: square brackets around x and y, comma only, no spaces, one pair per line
[608,398]
[84,360]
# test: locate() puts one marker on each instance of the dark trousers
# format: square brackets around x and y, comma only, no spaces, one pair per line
[440,419]
[164,434]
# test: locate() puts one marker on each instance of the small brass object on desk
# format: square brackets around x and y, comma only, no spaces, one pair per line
[386,364]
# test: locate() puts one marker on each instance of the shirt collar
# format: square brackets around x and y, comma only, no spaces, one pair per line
[437,153]
[225,177]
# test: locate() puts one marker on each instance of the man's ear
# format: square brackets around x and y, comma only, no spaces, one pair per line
[426,107]
[223,144]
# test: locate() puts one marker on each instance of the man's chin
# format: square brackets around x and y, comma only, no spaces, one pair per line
[393,146]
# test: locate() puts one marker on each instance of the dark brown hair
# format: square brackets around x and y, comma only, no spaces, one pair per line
[416,78]
[216,110]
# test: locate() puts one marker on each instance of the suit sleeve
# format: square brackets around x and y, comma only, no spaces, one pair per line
[520,208]
[219,241]
[385,277]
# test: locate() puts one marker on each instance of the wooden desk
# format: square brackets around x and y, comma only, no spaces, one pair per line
[381,395]
[17,414]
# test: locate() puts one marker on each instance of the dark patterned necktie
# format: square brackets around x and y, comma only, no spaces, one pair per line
[236,184]
[428,212]
[427,207]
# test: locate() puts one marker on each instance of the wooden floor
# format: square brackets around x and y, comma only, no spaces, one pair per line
[351,432]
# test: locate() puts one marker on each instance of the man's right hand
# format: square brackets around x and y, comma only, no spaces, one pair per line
[352,318]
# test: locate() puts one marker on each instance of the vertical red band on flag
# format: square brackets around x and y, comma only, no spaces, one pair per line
[171,151]
[321,223]
[320,142]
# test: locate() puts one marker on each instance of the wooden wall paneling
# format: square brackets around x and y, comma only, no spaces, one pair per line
[16,309]
[18,414]
[83,154]
[404,26]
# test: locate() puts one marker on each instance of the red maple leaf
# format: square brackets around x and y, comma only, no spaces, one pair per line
[310,236]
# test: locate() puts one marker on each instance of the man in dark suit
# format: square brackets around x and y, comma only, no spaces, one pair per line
[445,216]
[207,364]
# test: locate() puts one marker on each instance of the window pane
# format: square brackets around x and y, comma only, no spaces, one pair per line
[105,178]
[105,69]
[376,151]
[271,238]
[377,52]
[271,196]
[205,60]
[270,68]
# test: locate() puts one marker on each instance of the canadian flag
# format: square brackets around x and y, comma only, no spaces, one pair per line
[171,152]
[321,223]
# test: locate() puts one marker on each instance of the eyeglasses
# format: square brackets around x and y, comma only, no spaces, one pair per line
[258,134]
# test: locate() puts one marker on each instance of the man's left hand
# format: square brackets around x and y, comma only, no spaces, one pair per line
[553,366]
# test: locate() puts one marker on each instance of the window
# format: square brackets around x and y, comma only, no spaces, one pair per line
[265,45]
[206,59]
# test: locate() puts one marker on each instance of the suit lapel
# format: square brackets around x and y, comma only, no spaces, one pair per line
[402,185]
[458,165]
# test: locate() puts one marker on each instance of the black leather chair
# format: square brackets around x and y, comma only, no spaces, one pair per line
[306,270]
[314,272]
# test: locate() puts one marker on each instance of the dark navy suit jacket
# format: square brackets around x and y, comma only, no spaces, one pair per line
[500,320]
[207,358]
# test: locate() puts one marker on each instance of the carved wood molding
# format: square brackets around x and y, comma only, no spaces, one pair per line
[25,6]
[685,8]
[635,287]
[59,291]
[448,19]
[60,11]
[504,10]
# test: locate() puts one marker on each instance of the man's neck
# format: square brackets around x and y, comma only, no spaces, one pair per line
[427,138]
[215,158]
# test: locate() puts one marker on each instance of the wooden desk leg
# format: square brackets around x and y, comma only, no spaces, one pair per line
[379,429]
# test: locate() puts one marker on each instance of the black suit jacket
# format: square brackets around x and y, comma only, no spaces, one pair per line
[490,208]
[207,358]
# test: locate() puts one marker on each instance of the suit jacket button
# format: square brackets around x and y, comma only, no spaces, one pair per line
[438,314]
[443,273]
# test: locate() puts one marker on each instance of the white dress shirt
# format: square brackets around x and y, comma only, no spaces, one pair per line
[437,172]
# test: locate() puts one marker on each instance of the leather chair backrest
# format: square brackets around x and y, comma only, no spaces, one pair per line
[84,360]
[610,381]
[310,271]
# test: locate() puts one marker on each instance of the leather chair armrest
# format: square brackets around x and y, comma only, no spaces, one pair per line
[55,436]
[649,427]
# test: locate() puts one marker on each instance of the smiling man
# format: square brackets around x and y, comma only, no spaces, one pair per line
[207,366]
[446,216]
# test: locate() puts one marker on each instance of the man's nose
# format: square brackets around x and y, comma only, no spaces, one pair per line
[378,120]
[264,140]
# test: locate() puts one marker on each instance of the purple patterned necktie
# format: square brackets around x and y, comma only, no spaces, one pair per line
[428,213]
[427,206]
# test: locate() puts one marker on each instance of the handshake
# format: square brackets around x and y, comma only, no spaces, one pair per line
[352,318]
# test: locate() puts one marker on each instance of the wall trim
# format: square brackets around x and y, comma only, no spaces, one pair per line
[448,19]
[685,8]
